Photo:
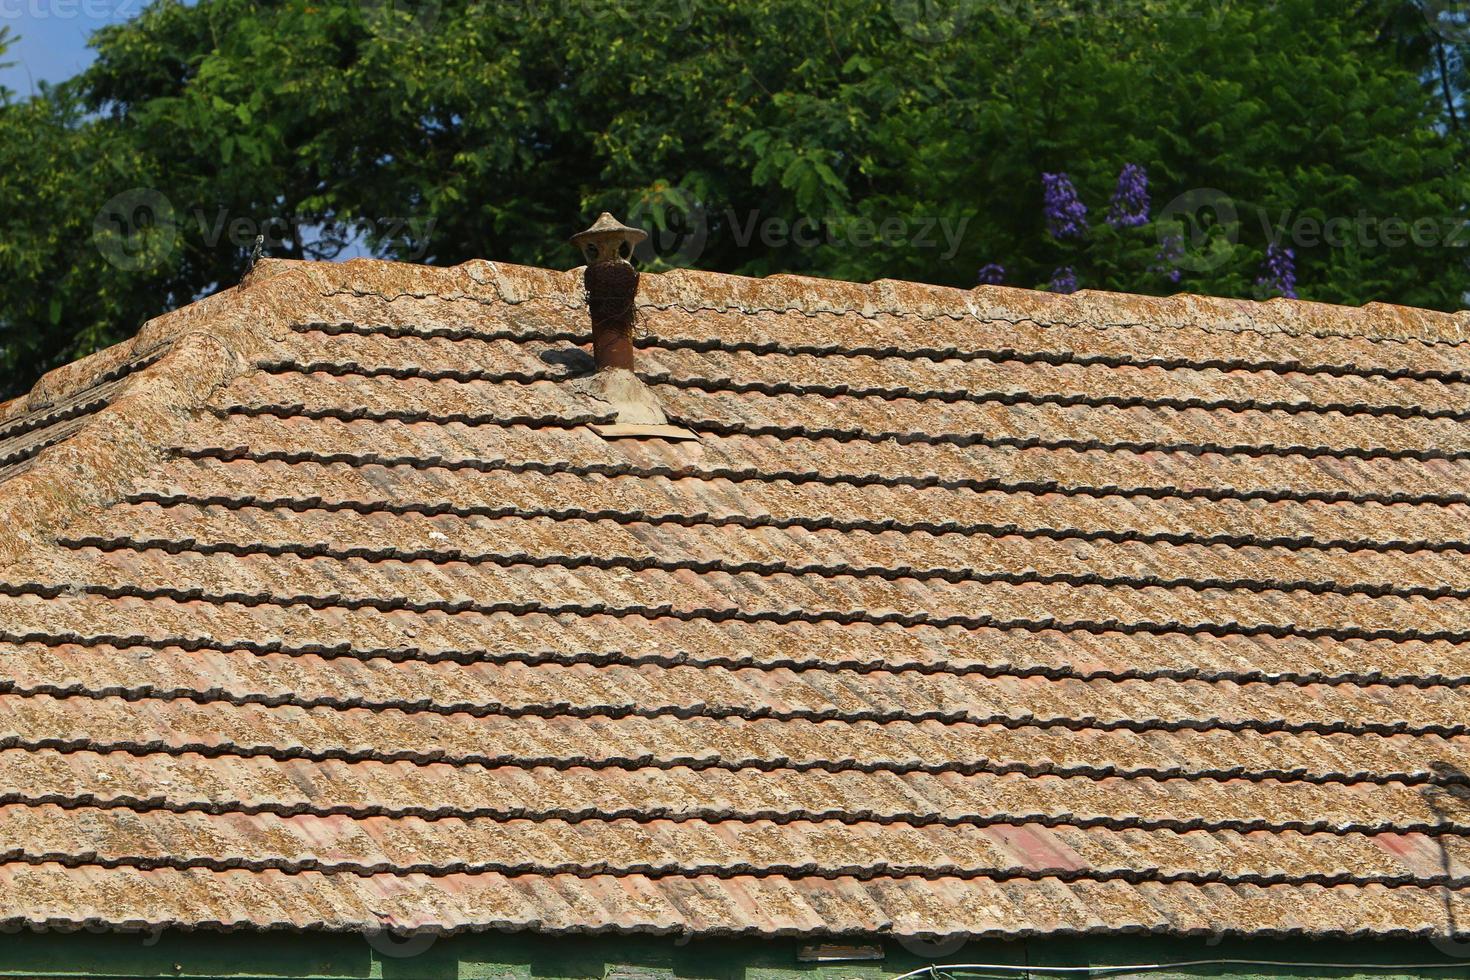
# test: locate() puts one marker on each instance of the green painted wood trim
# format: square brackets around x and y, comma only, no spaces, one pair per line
[270,956]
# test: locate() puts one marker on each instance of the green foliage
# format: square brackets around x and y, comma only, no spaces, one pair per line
[910,143]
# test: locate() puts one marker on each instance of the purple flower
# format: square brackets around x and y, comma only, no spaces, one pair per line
[991,274]
[1066,215]
[1130,199]
[1063,280]
[1278,272]
[1166,260]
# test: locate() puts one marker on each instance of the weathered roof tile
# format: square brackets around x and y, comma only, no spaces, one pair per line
[990,613]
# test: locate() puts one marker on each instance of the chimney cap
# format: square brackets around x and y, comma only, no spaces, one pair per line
[609,229]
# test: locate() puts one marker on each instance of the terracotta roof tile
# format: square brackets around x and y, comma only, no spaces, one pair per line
[987,613]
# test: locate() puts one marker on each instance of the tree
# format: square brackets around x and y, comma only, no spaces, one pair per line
[848,138]
[59,296]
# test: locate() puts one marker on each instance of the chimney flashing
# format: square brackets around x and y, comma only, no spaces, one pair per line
[625,392]
[634,430]
[637,411]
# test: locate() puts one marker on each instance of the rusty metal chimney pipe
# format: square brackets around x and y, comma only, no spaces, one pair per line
[612,289]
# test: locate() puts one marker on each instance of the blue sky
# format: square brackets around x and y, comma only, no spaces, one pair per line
[53,37]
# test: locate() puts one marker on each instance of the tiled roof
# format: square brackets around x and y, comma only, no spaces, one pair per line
[986,613]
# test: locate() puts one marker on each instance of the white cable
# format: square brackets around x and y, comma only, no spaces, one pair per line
[1140,967]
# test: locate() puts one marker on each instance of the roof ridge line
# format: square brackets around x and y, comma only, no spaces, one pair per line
[1097,309]
[696,291]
